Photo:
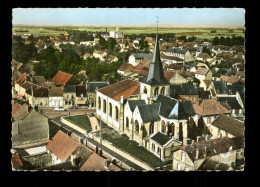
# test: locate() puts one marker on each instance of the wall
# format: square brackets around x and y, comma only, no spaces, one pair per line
[183,160]
[73,126]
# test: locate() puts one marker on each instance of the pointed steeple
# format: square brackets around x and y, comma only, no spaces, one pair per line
[155,75]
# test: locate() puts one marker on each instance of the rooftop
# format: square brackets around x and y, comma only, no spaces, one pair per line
[61,77]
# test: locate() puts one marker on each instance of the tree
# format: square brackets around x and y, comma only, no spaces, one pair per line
[215,41]
[110,44]
[102,42]
[143,44]
[206,50]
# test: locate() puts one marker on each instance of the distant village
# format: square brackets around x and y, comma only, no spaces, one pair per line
[173,109]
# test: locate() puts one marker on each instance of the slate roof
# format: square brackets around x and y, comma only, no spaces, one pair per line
[173,109]
[213,147]
[62,146]
[69,89]
[40,92]
[172,58]
[175,66]
[232,89]
[143,55]
[231,101]
[149,112]
[202,71]
[39,80]
[56,92]
[124,88]
[204,94]
[27,85]
[160,138]
[220,87]
[184,89]
[210,107]
[91,86]
[61,77]
[230,125]
[134,103]
[177,50]
[203,55]
[155,74]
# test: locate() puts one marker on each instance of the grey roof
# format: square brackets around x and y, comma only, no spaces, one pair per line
[69,89]
[174,109]
[149,112]
[91,86]
[232,89]
[143,55]
[134,103]
[204,94]
[212,165]
[229,125]
[184,89]
[56,92]
[160,138]
[220,87]
[231,101]
[177,50]
[155,74]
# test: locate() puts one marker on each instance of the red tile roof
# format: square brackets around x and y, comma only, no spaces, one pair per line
[210,107]
[124,88]
[22,78]
[233,79]
[15,108]
[16,161]
[97,163]
[168,74]
[61,77]
[61,145]
[125,66]
[202,71]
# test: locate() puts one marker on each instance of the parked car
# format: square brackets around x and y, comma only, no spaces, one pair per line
[59,109]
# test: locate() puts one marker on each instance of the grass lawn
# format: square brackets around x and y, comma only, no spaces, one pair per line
[130,146]
[81,121]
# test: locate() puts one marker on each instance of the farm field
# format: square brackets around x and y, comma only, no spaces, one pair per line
[202,33]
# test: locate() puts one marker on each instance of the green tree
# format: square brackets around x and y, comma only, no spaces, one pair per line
[110,44]
[143,44]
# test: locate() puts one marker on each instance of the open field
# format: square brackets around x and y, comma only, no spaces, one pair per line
[202,33]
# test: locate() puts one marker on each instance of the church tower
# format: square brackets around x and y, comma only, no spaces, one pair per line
[154,83]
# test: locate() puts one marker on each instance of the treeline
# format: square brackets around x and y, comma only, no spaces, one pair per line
[80,36]
[166,36]
[235,40]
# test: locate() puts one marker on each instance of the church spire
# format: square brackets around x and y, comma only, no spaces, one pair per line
[155,75]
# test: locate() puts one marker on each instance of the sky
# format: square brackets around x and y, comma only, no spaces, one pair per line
[129,16]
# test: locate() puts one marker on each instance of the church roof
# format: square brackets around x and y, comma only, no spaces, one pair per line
[155,75]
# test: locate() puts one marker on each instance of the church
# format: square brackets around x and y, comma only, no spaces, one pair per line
[145,112]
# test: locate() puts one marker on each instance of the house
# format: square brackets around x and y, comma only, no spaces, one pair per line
[235,80]
[171,60]
[81,96]
[86,55]
[203,57]
[225,126]
[185,92]
[32,130]
[203,74]
[56,97]
[61,146]
[208,110]
[38,80]
[39,96]
[69,95]
[19,112]
[178,68]
[150,40]
[22,79]
[62,78]
[124,68]
[212,165]
[222,150]
[91,88]
[109,58]
[98,163]
[232,104]
[137,58]
[206,84]
[175,79]
[100,54]
[181,53]
[23,89]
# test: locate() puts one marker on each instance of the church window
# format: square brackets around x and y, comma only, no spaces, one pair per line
[136,126]
[156,91]
[104,106]
[145,90]
[163,90]
[99,103]
[116,117]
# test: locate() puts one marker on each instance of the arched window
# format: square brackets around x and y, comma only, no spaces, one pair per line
[104,106]
[163,90]
[151,130]
[145,90]
[136,126]
[156,91]
[99,103]
[171,129]
[110,109]
[127,123]
[163,129]
[116,117]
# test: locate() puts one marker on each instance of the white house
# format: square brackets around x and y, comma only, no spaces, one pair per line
[56,97]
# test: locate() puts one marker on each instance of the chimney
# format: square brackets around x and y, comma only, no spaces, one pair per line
[205,151]
[106,163]
[198,138]
[122,99]
[197,153]
[192,142]
[207,137]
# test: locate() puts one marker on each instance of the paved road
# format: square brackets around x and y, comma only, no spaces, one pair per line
[97,144]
